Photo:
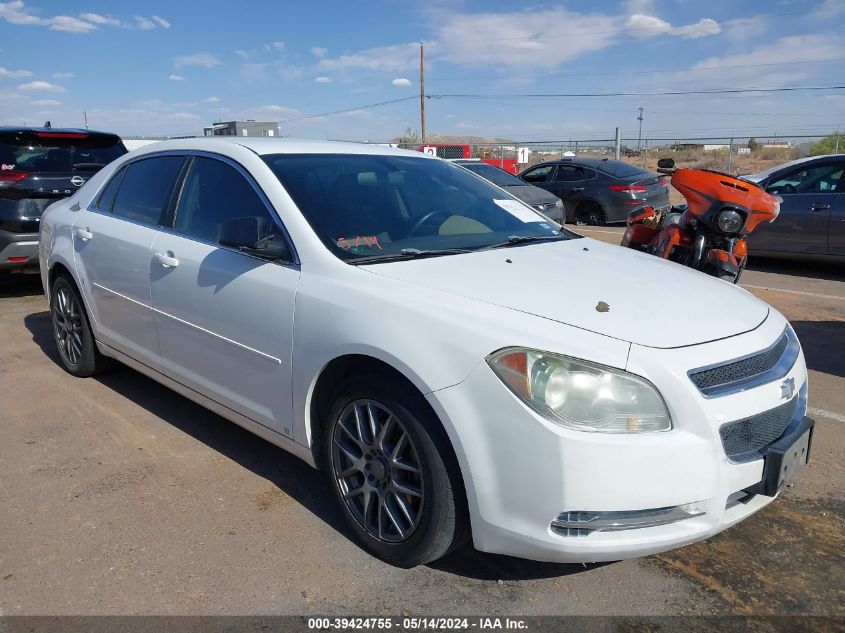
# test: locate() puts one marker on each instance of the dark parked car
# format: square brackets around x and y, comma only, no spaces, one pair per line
[546,203]
[811,223]
[599,190]
[37,167]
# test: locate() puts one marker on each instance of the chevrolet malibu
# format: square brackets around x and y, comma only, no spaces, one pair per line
[399,323]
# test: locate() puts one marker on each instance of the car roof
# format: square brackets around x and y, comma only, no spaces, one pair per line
[760,175]
[264,145]
[589,161]
[9,129]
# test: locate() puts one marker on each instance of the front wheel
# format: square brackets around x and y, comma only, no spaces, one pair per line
[398,492]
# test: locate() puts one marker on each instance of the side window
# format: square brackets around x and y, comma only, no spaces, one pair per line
[569,173]
[213,193]
[538,174]
[818,179]
[104,203]
[146,187]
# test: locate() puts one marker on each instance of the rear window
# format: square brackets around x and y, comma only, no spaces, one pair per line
[146,187]
[619,169]
[55,152]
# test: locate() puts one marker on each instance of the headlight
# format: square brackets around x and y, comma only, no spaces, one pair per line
[729,221]
[559,203]
[581,395]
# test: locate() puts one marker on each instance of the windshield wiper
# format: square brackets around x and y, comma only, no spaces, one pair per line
[521,239]
[409,253]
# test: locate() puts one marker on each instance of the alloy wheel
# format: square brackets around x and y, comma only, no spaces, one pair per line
[67,321]
[377,470]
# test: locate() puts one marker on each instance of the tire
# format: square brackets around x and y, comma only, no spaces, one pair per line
[592,214]
[406,504]
[72,331]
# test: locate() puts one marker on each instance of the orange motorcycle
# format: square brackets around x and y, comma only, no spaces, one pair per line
[709,232]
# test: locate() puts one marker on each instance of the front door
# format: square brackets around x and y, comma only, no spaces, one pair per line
[112,239]
[224,318]
[809,194]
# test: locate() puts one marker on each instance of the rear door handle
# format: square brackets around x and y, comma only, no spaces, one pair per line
[819,206]
[165,260]
[84,234]
[576,189]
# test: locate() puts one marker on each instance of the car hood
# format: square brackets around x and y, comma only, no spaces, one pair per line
[594,286]
[531,194]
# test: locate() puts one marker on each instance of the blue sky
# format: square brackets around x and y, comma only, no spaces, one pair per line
[171,67]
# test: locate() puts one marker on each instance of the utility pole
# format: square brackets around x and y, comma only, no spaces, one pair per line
[836,151]
[422,92]
[640,137]
[85,116]
[730,154]
[616,145]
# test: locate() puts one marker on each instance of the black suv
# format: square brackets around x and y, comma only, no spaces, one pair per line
[37,167]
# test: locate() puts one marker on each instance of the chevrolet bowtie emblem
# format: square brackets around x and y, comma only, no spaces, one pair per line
[787,388]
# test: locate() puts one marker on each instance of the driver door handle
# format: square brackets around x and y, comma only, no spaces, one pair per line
[819,206]
[577,189]
[84,234]
[165,260]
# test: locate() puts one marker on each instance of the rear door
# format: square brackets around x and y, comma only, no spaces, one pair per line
[112,239]
[224,318]
[809,194]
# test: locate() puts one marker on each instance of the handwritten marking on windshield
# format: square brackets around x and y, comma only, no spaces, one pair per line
[359,240]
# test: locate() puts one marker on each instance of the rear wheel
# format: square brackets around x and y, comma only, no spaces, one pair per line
[591,213]
[398,493]
[72,330]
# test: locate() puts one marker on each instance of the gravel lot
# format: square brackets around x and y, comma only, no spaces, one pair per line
[121,497]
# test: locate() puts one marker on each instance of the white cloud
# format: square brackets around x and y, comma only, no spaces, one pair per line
[644,26]
[274,46]
[318,51]
[46,103]
[322,80]
[41,86]
[181,116]
[144,24]
[70,24]
[539,39]
[96,18]
[401,82]
[206,60]
[271,112]
[243,54]
[14,74]
[211,100]
[177,78]
[17,12]
[63,75]
[387,58]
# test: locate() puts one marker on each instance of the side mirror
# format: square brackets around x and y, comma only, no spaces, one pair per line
[666,163]
[253,236]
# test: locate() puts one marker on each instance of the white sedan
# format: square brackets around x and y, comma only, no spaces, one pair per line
[405,326]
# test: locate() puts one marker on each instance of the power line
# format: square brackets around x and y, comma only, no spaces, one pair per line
[350,109]
[638,72]
[566,95]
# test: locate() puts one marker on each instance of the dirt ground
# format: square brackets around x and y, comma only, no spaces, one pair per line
[120,497]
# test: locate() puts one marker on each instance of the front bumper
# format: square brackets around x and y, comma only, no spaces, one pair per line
[18,251]
[522,472]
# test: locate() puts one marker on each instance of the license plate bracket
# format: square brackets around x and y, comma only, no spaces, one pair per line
[784,458]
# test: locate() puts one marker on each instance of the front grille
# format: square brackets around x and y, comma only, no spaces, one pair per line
[750,371]
[743,440]
[450,151]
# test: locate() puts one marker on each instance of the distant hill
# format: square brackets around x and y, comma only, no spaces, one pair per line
[445,139]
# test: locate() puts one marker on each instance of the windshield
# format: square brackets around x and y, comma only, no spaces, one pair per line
[495,175]
[364,206]
[58,152]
